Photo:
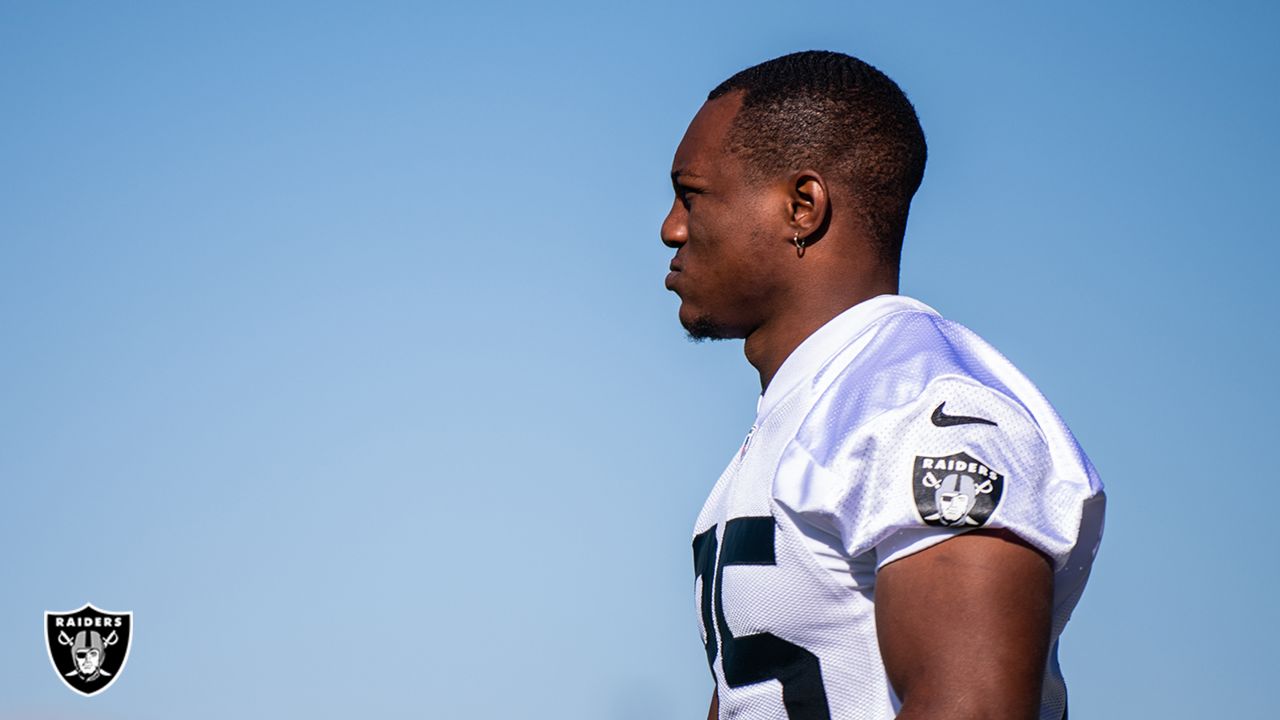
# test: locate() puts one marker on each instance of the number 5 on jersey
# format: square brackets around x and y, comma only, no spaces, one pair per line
[754,658]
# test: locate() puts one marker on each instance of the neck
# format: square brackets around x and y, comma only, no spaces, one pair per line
[770,344]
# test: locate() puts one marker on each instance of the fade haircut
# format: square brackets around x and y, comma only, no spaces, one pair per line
[838,115]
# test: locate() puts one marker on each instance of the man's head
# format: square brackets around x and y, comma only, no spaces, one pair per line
[88,650]
[955,497]
[805,147]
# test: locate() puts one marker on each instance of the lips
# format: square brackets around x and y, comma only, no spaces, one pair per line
[676,269]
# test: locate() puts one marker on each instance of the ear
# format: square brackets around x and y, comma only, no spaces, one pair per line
[809,203]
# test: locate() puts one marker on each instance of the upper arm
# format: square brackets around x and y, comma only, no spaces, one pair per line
[964,627]
[969,509]
[956,457]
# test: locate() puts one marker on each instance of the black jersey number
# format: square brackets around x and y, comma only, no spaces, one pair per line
[754,658]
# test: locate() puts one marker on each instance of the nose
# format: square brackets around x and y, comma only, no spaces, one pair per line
[675,228]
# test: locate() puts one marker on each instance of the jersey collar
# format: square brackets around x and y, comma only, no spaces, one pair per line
[809,356]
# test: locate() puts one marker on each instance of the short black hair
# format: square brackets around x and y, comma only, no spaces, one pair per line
[838,115]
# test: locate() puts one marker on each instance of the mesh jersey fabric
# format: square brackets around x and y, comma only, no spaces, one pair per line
[889,430]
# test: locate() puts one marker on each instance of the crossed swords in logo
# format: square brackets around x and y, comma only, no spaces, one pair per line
[931,481]
[107,642]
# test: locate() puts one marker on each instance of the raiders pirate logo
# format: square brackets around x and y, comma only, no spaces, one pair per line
[956,491]
[88,647]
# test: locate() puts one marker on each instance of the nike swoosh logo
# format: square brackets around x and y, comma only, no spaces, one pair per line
[943,420]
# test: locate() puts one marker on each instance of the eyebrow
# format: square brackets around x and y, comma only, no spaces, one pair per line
[677,174]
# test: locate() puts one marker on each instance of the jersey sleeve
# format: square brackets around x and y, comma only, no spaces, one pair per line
[956,457]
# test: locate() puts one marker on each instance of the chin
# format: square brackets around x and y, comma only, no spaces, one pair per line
[704,327]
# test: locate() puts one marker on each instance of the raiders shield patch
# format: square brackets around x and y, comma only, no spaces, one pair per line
[956,491]
[88,647]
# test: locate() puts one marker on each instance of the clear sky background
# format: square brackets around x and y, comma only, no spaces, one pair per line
[333,341]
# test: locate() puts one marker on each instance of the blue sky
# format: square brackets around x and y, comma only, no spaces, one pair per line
[335,347]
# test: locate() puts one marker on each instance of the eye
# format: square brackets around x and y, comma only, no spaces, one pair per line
[685,194]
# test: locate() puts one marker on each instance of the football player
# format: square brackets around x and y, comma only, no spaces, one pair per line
[908,524]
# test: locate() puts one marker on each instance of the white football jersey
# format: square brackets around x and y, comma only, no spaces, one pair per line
[888,430]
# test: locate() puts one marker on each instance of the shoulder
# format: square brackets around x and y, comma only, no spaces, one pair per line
[905,369]
[927,426]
